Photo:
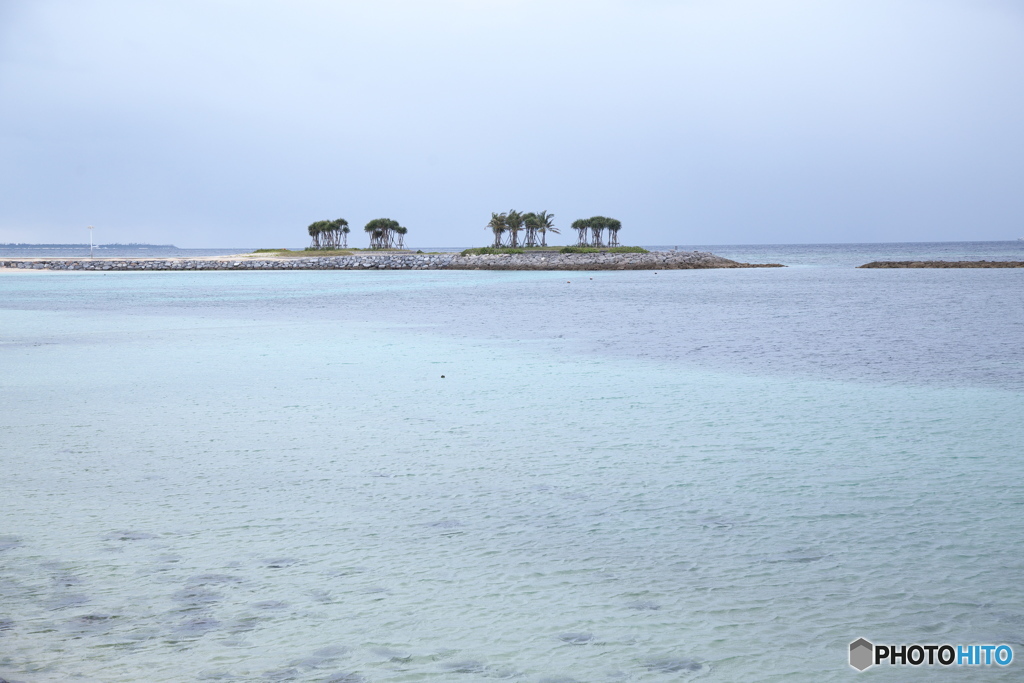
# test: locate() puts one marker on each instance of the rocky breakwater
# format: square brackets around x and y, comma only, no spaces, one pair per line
[656,260]
[944,264]
[382,261]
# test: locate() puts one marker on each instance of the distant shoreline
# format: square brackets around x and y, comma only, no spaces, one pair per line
[76,245]
[944,264]
[656,260]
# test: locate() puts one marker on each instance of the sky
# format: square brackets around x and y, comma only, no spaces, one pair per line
[230,123]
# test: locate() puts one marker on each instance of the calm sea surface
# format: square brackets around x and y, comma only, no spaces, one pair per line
[622,476]
[794,255]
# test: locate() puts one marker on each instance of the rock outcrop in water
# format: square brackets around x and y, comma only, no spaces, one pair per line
[944,264]
[655,260]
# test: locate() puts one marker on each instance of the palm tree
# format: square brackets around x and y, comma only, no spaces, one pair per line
[401,231]
[341,228]
[382,232]
[498,226]
[314,232]
[377,229]
[597,224]
[328,234]
[545,223]
[614,225]
[530,222]
[323,233]
[514,222]
[581,225]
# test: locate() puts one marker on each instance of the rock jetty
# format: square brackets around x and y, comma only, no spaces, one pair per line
[944,264]
[655,260]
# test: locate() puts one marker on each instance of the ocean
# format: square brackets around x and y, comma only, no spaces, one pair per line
[792,255]
[541,477]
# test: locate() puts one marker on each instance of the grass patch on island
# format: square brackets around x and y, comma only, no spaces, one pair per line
[288,253]
[482,251]
[603,250]
[307,252]
[491,251]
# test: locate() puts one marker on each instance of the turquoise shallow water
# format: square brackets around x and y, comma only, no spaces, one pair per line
[695,475]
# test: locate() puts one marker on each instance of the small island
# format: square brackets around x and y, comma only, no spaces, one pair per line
[597,248]
[395,260]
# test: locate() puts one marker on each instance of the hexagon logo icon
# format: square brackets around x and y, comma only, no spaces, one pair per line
[861,654]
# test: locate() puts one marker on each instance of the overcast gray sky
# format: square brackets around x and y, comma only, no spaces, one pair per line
[237,123]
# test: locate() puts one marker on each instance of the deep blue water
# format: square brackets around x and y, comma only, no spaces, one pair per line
[622,476]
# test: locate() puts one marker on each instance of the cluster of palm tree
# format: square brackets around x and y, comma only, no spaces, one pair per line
[596,225]
[329,234]
[388,234]
[385,234]
[533,225]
